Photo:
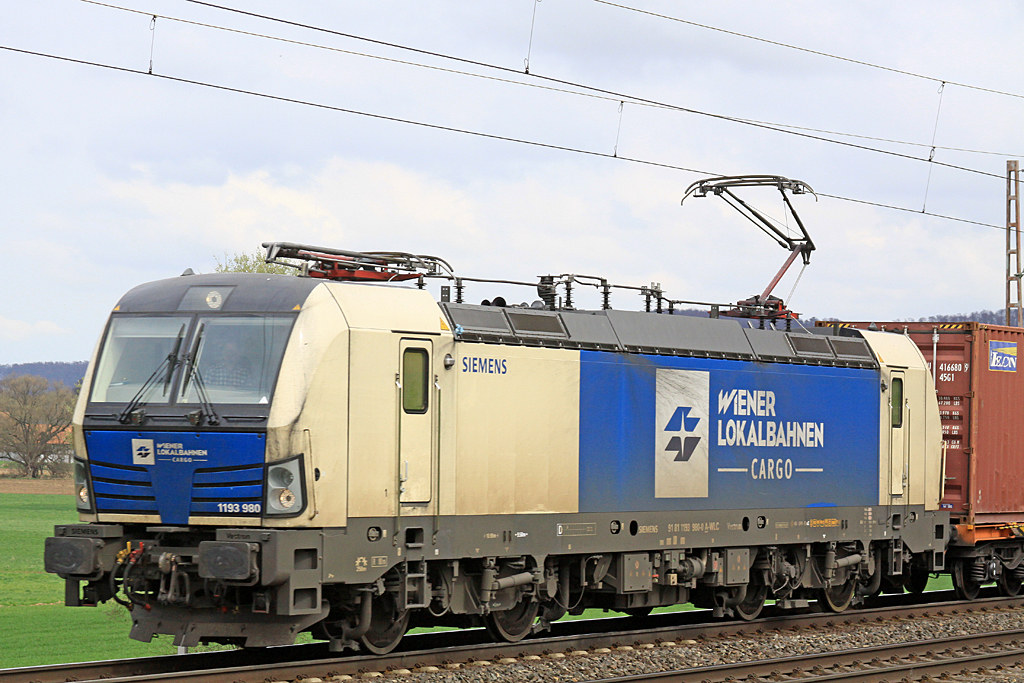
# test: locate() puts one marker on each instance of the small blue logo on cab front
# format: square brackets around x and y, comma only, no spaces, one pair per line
[142,452]
[1002,356]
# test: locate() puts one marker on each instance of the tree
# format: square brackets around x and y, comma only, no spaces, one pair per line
[35,415]
[251,263]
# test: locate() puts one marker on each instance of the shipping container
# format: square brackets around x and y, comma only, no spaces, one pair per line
[981,403]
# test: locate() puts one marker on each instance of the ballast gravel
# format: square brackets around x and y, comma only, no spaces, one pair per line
[631,659]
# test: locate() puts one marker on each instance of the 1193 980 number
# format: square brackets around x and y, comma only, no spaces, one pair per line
[238,507]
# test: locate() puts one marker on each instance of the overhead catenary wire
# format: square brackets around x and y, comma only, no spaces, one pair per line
[813,52]
[578,90]
[612,93]
[931,155]
[452,129]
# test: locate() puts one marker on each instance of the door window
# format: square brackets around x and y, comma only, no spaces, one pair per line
[897,401]
[414,380]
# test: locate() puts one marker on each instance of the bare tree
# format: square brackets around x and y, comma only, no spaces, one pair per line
[34,418]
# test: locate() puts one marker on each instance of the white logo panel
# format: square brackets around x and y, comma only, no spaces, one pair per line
[143,452]
[681,410]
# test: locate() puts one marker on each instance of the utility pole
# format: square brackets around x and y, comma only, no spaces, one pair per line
[1013,269]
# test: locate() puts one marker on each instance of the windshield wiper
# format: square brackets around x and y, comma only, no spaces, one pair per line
[173,360]
[204,399]
[196,416]
[130,412]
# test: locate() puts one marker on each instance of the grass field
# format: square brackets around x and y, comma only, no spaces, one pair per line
[35,626]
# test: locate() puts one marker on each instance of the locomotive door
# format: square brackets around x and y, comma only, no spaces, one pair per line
[898,460]
[415,420]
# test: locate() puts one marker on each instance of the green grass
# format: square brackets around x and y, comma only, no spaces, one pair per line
[27,520]
[35,626]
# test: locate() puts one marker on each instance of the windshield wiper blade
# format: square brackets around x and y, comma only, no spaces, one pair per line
[173,360]
[191,358]
[170,361]
[196,417]
[207,409]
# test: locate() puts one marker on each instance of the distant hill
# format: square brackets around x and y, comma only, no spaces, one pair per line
[984,317]
[68,373]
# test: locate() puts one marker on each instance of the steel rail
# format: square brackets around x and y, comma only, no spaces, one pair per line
[917,658]
[441,648]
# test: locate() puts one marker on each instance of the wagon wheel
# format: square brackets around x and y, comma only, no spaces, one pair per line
[838,598]
[753,603]
[638,612]
[1009,583]
[965,588]
[387,625]
[514,624]
[918,580]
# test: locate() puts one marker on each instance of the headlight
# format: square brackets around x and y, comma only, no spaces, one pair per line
[285,487]
[83,496]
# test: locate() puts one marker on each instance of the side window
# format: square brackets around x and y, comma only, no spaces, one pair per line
[896,397]
[415,384]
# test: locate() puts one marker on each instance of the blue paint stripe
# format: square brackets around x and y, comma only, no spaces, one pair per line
[101,488]
[119,474]
[111,504]
[229,477]
[254,492]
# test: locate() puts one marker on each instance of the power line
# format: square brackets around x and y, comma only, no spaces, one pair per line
[353,52]
[539,86]
[617,95]
[451,129]
[810,51]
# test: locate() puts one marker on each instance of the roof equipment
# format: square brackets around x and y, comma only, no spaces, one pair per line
[763,306]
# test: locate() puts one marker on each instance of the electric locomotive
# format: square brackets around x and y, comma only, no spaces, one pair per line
[338,452]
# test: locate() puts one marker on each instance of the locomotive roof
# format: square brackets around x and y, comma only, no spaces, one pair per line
[652,333]
[604,330]
[238,292]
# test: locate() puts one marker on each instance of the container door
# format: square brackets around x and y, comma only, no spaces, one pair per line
[897,439]
[415,420]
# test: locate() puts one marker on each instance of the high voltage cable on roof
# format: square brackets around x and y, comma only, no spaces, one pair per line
[521,83]
[617,95]
[434,126]
[810,51]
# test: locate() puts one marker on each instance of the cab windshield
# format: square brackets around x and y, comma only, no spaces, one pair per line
[135,348]
[236,359]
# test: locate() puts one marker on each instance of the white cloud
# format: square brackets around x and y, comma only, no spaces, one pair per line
[21,330]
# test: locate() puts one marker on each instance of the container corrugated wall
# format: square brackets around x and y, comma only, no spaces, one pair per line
[981,400]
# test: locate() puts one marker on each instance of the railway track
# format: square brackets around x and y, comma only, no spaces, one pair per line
[454,649]
[962,655]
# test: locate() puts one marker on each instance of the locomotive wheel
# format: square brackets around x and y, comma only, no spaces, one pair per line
[1009,584]
[965,588]
[918,580]
[387,625]
[638,611]
[753,603]
[838,598]
[512,625]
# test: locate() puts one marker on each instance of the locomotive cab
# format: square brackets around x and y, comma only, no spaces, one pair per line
[219,404]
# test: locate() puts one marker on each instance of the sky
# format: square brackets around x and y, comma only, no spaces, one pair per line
[112,177]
